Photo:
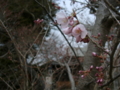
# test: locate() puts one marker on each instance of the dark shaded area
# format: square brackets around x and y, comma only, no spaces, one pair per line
[18,17]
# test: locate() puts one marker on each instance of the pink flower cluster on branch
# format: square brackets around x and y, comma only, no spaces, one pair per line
[99,75]
[87,72]
[38,21]
[71,27]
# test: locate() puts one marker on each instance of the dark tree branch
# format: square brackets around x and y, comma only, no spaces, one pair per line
[111,59]
[111,7]
[60,32]
[110,81]
[116,66]
[99,46]
[2,56]
[112,54]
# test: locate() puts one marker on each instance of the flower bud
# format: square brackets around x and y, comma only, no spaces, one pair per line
[94,54]
[99,34]
[101,80]
[81,72]
[91,67]
[82,76]
[38,21]
[100,68]
[97,68]
[96,74]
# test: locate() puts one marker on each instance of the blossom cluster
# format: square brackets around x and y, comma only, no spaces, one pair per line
[99,75]
[71,27]
[38,21]
[87,72]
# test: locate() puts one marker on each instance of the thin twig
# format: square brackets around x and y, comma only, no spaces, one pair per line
[112,54]
[111,7]
[3,55]
[11,37]
[33,42]
[6,83]
[98,46]
[70,76]
[117,66]
[110,81]
[60,32]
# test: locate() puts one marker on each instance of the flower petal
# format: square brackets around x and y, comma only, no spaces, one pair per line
[84,31]
[79,30]
[61,18]
[78,39]
[76,31]
[67,30]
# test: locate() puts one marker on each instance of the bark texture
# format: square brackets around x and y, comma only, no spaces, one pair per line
[102,25]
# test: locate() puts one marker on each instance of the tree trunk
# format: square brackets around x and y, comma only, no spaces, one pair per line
[102,25]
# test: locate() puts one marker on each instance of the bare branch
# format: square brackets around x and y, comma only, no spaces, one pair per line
[60,32]
[4,55]
[99,46]
[11,38]
[111,7]
[6,83]
[70,77]
[112,54]
[110,81]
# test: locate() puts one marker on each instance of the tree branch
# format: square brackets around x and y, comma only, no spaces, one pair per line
[111,7]
[60,32]
[70,77]
[110,81]
[112,54]
[99,46]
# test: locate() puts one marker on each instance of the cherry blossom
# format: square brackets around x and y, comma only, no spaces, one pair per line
[82,76]
[67,30]
[38,21]
[66,23]
[94,54]
[79,30]
[69,26]
[62,19]
[91,67]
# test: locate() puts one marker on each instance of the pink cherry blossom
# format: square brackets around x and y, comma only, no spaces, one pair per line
[67,30]
[38,21]
[66,23]
[78,39]
[91,67]
[82,76]
[81,72]
[99,34]
[71,21]
[69,26]
[107,50]
[101,80]
[62,19]
[79,30]
[94,54]
[100,68]
[97,67]
[98,81]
